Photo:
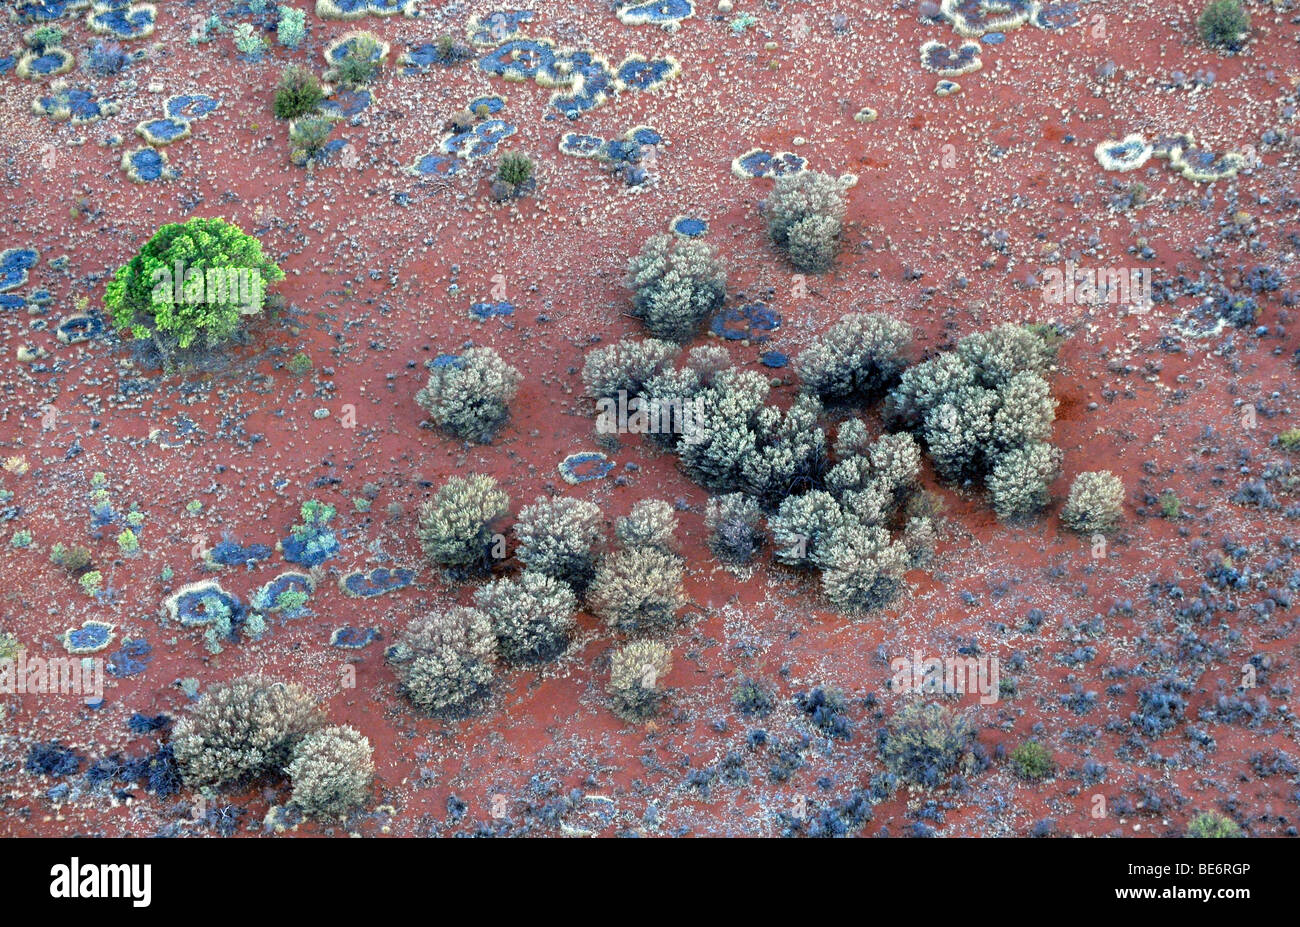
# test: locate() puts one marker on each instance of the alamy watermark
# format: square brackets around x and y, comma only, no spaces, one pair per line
[218,286]
[1088,286]
[947,676]
[24,675]
[656,415]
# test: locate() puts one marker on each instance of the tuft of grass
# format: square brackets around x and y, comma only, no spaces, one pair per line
[1031,760]
[1290,439]
[1170,505]
[1210,824]
[300,364]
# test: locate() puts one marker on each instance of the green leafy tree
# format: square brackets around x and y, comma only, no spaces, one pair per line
[192,284]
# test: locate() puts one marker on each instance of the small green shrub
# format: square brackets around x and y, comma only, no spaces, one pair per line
[1032,760]
[1290,439]
[360,66]
[1210,824]
[300,364]
[1170,505]
[298,93]
[308,137]
[73,559]
[515,169]
[1224,24]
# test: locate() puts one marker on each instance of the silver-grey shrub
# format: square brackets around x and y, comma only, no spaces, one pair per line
[532,616]
[735,527]
[470,397]
[331,771]
[677,283]
[1095,503]
[561,537]
[444,659]
[805,217]
[456,527]
[856,359]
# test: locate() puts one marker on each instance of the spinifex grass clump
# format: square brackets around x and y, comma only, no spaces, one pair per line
[298,93]
[192,285]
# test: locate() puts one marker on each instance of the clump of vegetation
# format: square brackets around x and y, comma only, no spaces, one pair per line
[984,411]
[298,93]
[241,731]
[532,616]
[331,771]
[924,743]
[805,216]
[455,527]
[106,59]
[515,171]
[1224,24]
[561,538]
[470,398]
[863,568]
[291,28]
[636,672]
[856,359]
[752,698]
[677,284]
[1211,824]
[651,523]
[450,51]
[300,364]
[91,583]
[1095,503]
[1019,481]
[444,659]
[1170,505]
[308,137]
[73,559]
[360,65]
[638,590]
[1289,439]
[1032,760]
[43,38]
[626,366]
[249,41]
[735,528]
[142,297]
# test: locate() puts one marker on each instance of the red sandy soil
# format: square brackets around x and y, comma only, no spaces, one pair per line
[1127,405]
